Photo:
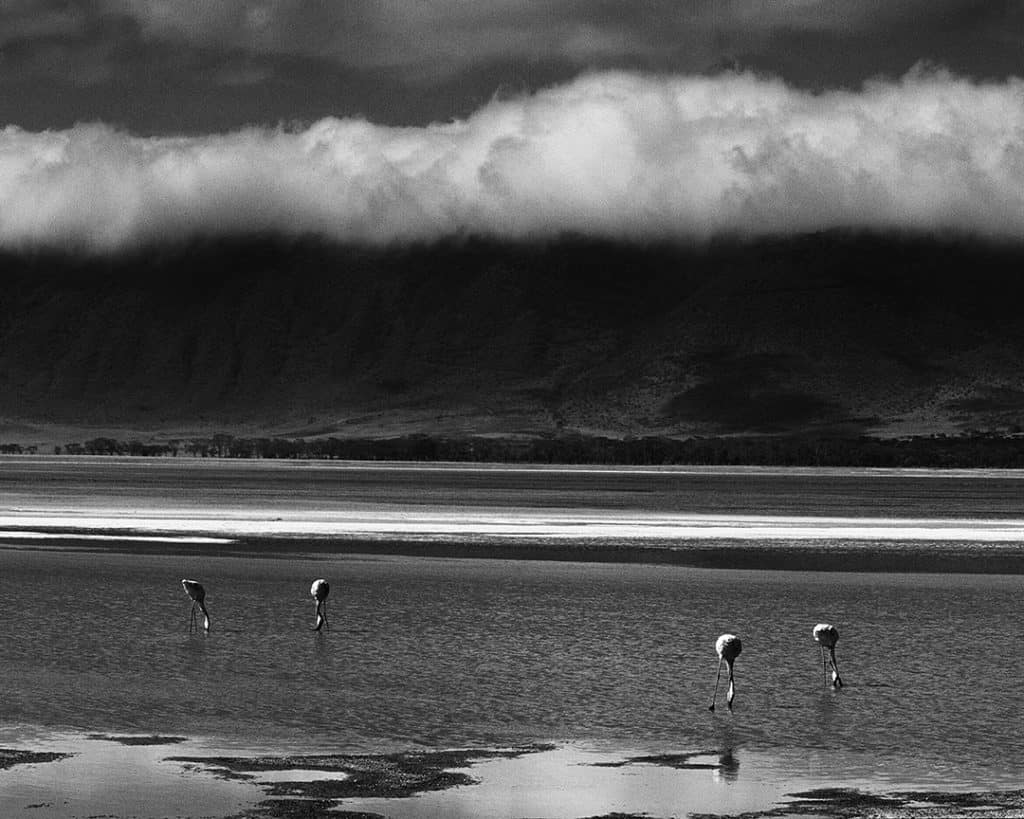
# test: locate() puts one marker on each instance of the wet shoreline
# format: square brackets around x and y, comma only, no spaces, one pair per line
[718,518]
[422,783]
[936,557]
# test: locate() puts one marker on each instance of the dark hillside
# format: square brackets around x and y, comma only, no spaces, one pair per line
[836,334]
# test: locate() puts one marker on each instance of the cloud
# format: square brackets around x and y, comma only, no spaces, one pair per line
[617,155]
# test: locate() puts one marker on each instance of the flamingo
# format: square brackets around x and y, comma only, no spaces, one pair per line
[728,647]
[827,635]
[320,589]
[195,590]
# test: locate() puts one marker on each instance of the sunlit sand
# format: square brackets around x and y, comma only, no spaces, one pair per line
[199,525]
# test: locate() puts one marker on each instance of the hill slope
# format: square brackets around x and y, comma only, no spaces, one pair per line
[827,333]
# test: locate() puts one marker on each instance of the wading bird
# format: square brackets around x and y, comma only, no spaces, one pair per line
[320,589]
[827,635]
[195,590]
[728,647]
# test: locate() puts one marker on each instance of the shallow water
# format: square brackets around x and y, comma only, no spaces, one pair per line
[55,482]
[100,778]
[570,782]
[439,652]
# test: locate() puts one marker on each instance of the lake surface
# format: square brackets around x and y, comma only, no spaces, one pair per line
[440,651]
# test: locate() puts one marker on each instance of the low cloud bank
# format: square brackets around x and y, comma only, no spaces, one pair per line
[614,155]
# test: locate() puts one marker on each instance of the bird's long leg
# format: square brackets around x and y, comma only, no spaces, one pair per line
[192,618]
[732,688]
[836,680]
[326,624]
[206,616]
[319,617]
[824,664]
[719,677]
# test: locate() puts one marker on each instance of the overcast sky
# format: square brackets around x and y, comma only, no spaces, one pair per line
[131,120]
[196,66]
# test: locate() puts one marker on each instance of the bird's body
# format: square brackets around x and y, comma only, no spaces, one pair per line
[728,648]
[827,635]
[320,589]
[195,590]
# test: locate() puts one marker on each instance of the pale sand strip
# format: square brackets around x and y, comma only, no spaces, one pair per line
[551,524]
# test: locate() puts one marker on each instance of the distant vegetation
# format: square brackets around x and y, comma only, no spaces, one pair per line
[971,451]
[17,449]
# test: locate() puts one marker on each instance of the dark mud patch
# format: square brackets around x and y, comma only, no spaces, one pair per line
[152,739]
[846,797]
[386,776]
[10,757]
[384,780]
[682,762]
[847,803]
[978,802]
[621,816]
[302,809]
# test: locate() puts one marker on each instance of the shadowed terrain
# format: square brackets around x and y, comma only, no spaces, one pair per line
[837,334]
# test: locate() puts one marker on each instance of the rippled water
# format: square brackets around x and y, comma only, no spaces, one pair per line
[442,652]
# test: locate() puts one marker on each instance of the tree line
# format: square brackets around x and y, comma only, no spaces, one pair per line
[937,451]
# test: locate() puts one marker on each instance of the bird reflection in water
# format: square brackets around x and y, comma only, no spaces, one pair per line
[728,769]
[826,713]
